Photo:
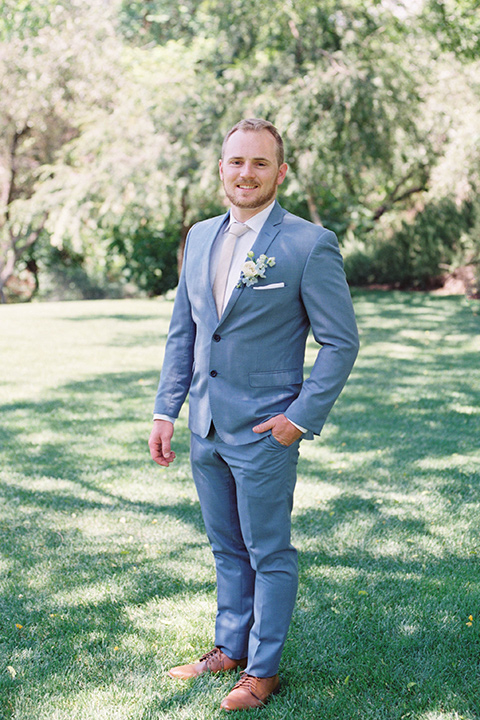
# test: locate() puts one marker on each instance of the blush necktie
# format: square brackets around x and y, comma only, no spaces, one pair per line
[224,261]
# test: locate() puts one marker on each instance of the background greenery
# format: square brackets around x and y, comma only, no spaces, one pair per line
[106,578]
[112,115]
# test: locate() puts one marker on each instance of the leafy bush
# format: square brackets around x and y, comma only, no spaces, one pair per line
[64,274]
[419,253]
[359,262]
[149,257]
[440,238]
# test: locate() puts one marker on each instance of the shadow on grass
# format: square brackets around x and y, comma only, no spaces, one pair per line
[67,463]
[387,618]
[383,629]
[380,629]
[68,427]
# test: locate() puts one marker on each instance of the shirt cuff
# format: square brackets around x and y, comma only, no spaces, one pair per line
[159,416]
[299,427]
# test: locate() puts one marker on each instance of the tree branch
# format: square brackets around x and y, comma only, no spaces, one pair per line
[394,198]
[388,205]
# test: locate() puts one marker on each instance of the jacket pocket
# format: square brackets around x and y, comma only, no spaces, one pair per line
[275,378]
[273,286]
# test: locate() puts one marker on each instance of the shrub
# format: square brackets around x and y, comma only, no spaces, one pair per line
[420,252]
[440,238]
[149,257]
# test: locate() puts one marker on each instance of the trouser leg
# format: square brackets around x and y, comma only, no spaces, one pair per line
[246,494]
[265,486]
[217,493]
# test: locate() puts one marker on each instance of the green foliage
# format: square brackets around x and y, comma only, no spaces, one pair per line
[50,72]
[149,257]
[24,18]
[441,237]
[419,252]
[456,24]
[112,116]
[359,262]
[65,274]
[158,20]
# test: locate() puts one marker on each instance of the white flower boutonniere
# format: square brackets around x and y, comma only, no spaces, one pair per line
[253,269]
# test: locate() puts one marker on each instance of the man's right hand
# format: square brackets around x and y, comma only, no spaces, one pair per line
[159,442]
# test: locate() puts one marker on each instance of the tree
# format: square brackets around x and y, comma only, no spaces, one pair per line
[113,117]
[50,70]
[140,163]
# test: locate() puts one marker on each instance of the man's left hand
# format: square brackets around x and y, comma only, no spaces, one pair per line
[282,429]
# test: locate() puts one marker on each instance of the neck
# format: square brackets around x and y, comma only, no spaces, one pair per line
[243,214]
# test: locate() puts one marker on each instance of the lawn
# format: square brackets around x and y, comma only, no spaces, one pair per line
[106,578]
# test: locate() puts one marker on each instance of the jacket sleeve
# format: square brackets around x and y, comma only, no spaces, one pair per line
[327,301]
[177,369]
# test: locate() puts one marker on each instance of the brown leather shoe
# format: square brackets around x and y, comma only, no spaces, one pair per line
[213,661]
[251,692]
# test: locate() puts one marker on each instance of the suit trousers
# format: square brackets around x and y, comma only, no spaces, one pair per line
[246,497]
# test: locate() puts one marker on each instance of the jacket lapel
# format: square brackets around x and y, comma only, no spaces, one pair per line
[265,238]
[269,231]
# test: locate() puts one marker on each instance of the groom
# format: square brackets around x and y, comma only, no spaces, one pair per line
[253,284]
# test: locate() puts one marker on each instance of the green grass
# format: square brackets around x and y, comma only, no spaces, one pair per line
[106,576]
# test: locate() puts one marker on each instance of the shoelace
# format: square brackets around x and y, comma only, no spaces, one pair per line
[211,655]
[248,682]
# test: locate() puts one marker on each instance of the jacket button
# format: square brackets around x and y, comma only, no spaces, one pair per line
[217,338]
[213,373]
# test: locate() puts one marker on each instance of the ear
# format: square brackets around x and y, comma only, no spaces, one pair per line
[282,171]
[220,169]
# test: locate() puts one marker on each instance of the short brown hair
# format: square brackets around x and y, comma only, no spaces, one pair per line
[255,125]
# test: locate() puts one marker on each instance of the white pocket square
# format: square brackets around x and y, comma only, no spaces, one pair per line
[269,287]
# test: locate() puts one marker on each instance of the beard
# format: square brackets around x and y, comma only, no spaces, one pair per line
[259,198]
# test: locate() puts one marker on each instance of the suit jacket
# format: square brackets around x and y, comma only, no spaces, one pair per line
[248,366]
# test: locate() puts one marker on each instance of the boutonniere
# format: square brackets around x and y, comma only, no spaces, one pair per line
[253,269]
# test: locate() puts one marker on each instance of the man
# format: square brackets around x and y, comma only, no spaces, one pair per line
[253,283]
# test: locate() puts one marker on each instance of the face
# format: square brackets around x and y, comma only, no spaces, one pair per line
[250,172]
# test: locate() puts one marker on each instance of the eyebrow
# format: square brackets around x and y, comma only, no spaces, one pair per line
[255,159]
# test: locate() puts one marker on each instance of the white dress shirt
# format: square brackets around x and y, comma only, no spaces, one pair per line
[242,245]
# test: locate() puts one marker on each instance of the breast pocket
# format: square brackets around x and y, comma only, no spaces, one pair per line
[269,288]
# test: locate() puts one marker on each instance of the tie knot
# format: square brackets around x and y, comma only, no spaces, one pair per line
[238,229]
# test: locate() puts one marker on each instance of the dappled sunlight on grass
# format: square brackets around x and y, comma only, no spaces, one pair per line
[106,575]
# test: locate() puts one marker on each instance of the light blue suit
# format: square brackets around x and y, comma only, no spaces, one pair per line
[240,371]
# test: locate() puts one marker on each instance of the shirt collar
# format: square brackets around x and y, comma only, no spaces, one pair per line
[256,222]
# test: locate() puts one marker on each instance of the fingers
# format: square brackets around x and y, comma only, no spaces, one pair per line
[282,429]
[263,427]
[166,448]
[159,443]
[159,457]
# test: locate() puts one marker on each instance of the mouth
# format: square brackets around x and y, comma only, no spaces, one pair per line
[247,187]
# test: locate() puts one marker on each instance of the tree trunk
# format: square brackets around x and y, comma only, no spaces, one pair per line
[312,207]
[12,254]
[183,232]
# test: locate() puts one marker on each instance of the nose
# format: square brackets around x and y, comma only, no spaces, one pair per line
[248,170]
